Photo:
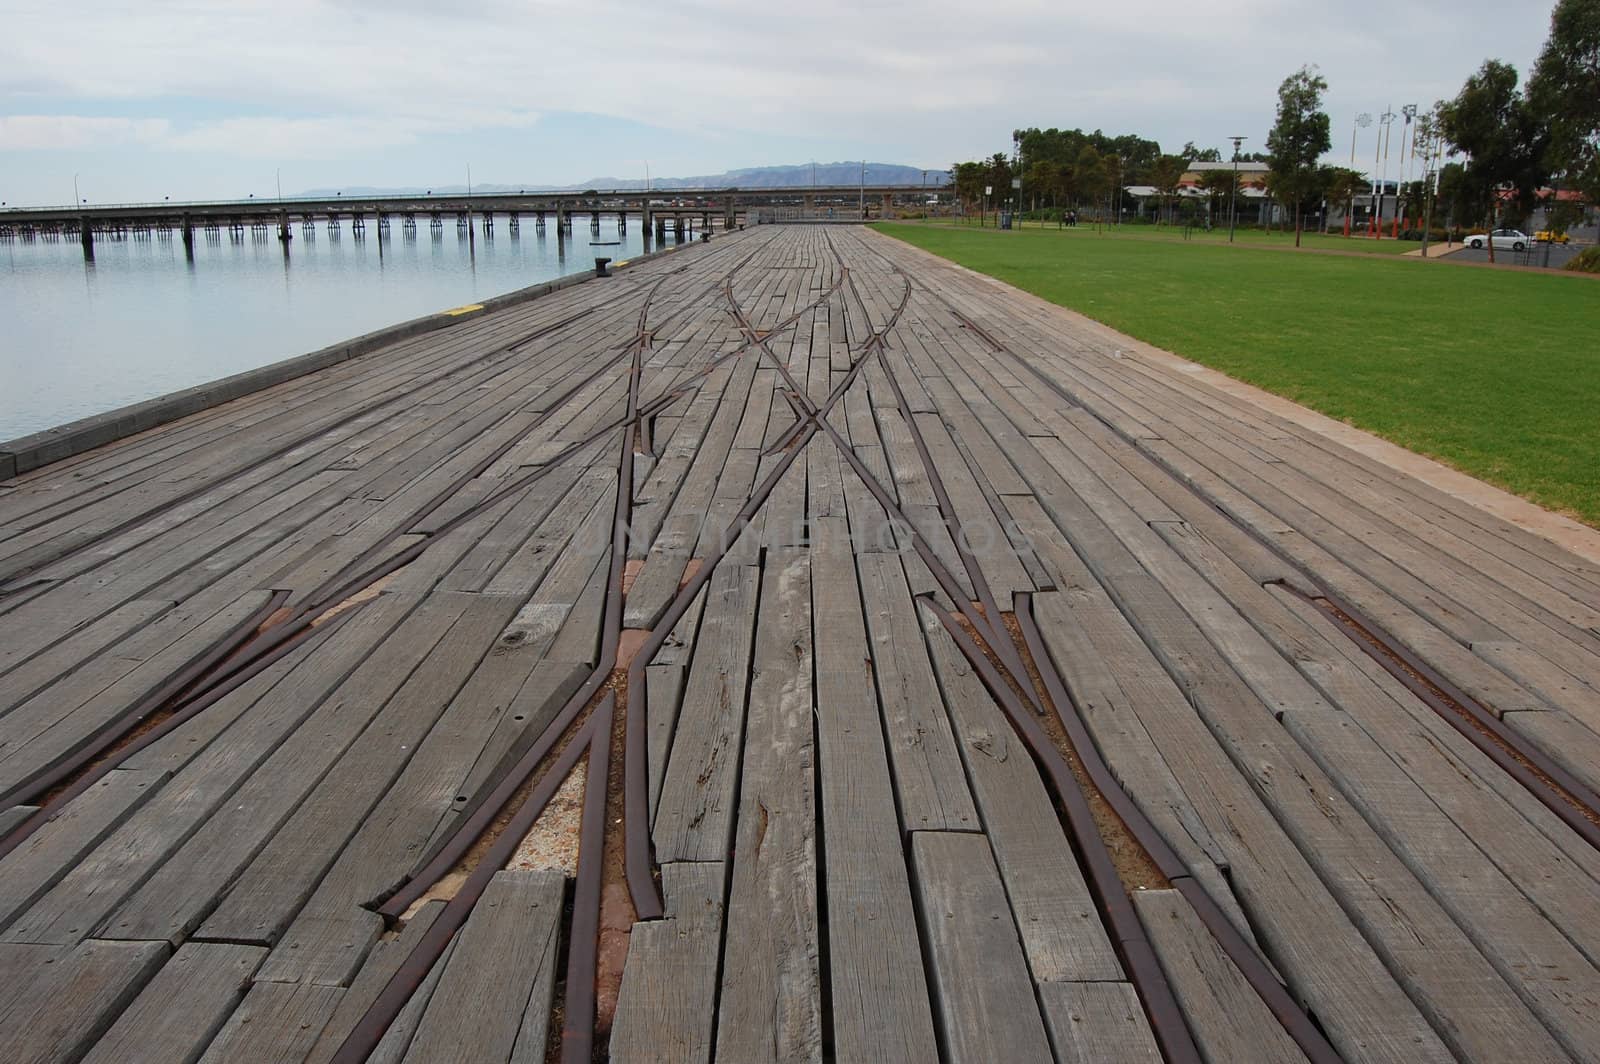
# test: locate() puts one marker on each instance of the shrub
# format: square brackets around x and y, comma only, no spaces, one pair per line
[1586,261]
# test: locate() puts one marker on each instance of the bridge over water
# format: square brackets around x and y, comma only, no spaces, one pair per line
[655,210]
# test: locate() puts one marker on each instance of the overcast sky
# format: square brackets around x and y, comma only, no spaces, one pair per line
[197,100]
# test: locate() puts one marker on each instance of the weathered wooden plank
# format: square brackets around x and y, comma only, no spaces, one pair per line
[694,816]
[99,882]
[183,1007]
[51,851]
[770,1007]
[1446,772]
[504,966]
[277,1023]
[669,986]
[931,788]
[362,732]
[384,960]
[68,715]
[1309,938]
[880,996]
[1400,819]
[980,527]
[1227,1017]
[1334,836]
[1101,1023]
[1056,915]
[396,1041]
[975,963]
[63,1001]
[28,679]
[526,714]
[10,818]
[522,569]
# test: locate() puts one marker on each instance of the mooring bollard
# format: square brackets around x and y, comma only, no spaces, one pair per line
[600,267]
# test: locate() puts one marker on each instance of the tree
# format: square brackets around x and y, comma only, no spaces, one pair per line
[1298,139]
[969,179]
[1165,174]
[1200,155]
[1218,186]
[1041,180]
[1491,122]
[1564,92]
[1112,169]
[1341,187]
[1424,141]
[1454,198]
[1090,174]
[1000,176]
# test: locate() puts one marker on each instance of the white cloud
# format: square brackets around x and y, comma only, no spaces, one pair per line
[58,132]
[262,137]
[312,138]
[931,77]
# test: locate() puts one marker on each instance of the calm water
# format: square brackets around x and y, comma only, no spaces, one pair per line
[140,321]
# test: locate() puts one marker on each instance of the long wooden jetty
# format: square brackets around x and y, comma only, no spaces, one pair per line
[654,210]
[791,648]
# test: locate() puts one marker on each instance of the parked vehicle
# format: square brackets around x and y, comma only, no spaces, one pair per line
[1504,239]
[1550,236]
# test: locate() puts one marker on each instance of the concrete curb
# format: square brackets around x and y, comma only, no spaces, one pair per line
[28,453]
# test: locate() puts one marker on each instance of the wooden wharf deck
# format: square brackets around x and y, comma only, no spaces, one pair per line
[939,678]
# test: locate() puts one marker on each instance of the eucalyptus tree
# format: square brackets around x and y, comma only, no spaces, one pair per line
[1564,94]
[1342,185]
[1298,139]
[1166,174]
[1090,174]
[1491,122]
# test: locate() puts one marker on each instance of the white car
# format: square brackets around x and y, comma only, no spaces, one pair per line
[1504,239]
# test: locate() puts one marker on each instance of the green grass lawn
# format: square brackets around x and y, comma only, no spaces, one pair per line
[1494,372]
[1253,237]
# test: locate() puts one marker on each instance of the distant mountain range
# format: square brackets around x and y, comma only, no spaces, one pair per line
[799,176]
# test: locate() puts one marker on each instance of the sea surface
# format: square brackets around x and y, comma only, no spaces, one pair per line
[80,338]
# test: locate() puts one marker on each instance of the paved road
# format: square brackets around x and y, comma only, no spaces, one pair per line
[1534,256]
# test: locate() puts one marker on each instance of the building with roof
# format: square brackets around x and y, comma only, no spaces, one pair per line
[1193,200]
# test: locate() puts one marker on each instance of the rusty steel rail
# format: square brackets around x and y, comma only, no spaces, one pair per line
[583,941]
[1166,1019]
[637,859]
[990,622]
[1151,981]
[594,736]
[386,1007]
[1568,797]
[1294,1020]
[1574,802]
[193,705]
[108,734]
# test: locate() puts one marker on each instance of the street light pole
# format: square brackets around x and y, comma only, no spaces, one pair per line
[1363,120]
[863,203]
[1233,189]
[1381,175]
[75,199]
[1430,156]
